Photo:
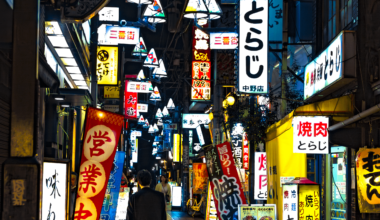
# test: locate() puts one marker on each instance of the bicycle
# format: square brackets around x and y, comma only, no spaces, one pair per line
[193,207]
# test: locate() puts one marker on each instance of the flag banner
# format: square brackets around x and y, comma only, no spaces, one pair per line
[101,137]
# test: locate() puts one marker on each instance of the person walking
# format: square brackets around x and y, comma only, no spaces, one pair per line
[146,204]
[164,187]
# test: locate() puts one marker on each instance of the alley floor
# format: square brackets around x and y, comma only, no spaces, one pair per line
[179,215]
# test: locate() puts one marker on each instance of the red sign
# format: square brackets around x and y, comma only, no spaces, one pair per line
[227,191]
[245,152]
[101,137]
[130,103]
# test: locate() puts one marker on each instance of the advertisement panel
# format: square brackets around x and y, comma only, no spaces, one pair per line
[111,92]
[308,202]
[101,137]
[140,87]
[261,180]
[367,178]
[54,190]
[290,201]
[111,197]
[193,120]
[253,52]
[257,212]
[225,183]
[115,35]
[223,40]
[107,65]
[200,178]
[310,135]
[130,103]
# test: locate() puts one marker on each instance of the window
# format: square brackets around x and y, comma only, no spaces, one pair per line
[330,21]
[346,13]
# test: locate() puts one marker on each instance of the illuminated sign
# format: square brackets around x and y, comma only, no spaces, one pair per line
[139,87]
[114,35]
[109,14]
[368,182]
[310,135]
[275,20]
[54,190]
[308,201]
[111,92]
[290,201]
[223,40]
[193,120]
[122,205]
[101,137]
[253,50]
[176,196]
[258,211]
[176,154]
[237,143]
[107,65]
[130,103]
[261,182]
[142,107]
[245,152]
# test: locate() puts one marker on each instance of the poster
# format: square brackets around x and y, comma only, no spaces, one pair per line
[113,187]
[367,179]
[122,205]
[130,103]
[257,212]
[107,65]
[308,202]
[261,180]
[290,201]
[101,137]
[200,178]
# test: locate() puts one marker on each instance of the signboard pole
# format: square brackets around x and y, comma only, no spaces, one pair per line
[93,49]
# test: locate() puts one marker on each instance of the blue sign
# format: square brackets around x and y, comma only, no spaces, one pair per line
[113,187]
[275,20]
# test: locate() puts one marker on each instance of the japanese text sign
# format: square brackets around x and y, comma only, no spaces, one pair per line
[310,135]
[257,212]
[290,201]
[200,178]
[368,181]
[142,107]
[226,186]
[111,92]
[253,48]
[261,179]
[245,152]
[111,197]
[237,144]
[115,35]
[54,190]
[107,65]
[223,40]
[194,120]
[275,20]
[140,87]
[101,137]
[130,103]
[109,14]
[308,202]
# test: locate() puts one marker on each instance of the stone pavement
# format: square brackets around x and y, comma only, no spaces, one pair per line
[179,215]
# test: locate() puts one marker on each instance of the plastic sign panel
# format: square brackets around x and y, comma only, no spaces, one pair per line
[139,87]
[111,92]
[290,202]
[130,103]
[115,35]
[253,50]
[310,135]
[109,14]
[261,179]
[101,137]
[245,152]
[54,190]
[176,196]
[107,65]
[325,69]
[193,120]
[237,144]
[223,40]
[308,202]
[257,212]
[200,178]
[113,187]
[176,143]
[142,107]
[367,177]
[275,20]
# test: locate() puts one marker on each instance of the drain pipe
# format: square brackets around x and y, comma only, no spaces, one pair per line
[357,117]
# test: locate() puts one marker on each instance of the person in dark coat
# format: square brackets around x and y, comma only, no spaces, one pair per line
[146,204]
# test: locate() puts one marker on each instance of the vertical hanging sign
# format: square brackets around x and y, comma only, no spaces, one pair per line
[261,188]
[201,66]
[107,65]
[245,152]
[253,48]
[130,103]
[101,136]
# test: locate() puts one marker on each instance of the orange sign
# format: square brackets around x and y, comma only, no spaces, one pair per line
[200,178]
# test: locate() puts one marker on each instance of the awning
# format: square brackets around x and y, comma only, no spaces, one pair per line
[72,97]
[281,161]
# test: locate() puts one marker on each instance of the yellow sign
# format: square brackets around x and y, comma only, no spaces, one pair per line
[106,65]
[111,92]
[308,202]
[176,139]
[368,179]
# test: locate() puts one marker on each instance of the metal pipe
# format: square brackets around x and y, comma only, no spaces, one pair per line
[357,117]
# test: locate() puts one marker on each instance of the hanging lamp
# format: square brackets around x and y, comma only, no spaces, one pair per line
[196,9]
[165,112]
[160,71]
[140,49]
[159,113]
[146,124]
[140,1]
[151,59]
[171,105]
[141,120]
[151,130]
[160,122]
[155,95]
[141,75]
[214,9]
[154,13]
[155,128]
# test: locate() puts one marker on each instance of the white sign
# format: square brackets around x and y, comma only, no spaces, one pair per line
[253,49]
[115,35]
[109,14]
[310,135]
[193,120]
[285,179]
[223,40]
[140,87]
[142,107]
[54,187]
[176,196]
[290,202]
[325,69]
[261,180]
[122,205]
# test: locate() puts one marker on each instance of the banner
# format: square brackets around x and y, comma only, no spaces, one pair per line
[113,187]
[130,103]
[367,177]
[225,183]
[308,202]
[261,182]
[101,137]
[200,178]
[107,65]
